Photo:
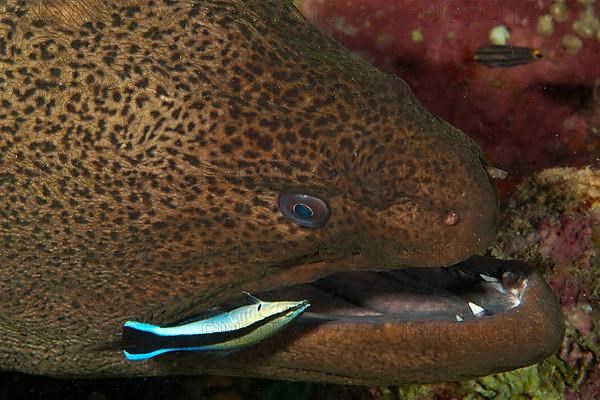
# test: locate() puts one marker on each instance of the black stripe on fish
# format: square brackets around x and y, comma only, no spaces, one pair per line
[505,56]
[140,342]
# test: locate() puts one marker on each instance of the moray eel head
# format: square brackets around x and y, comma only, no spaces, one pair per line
[403,187]
[159,158]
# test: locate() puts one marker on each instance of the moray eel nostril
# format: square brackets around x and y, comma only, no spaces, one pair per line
[145,148]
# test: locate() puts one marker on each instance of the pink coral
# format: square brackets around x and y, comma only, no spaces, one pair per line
[566,287]
[568,240]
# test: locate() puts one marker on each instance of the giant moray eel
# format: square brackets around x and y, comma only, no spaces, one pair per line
[143,149]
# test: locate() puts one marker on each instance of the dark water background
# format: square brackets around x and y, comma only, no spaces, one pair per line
[15,386]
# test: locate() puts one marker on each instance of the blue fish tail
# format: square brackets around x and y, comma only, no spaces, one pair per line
[139,342]
[142,341]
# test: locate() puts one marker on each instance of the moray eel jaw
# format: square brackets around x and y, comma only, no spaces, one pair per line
[404,327]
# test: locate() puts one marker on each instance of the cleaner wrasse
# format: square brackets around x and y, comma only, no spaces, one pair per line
[223,332]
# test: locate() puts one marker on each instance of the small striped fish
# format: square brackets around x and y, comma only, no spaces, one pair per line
[229,331]
[504,56]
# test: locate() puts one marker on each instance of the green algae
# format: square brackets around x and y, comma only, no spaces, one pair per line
[416,392]
[542,381]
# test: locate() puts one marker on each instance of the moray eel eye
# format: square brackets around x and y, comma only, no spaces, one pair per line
[304,210]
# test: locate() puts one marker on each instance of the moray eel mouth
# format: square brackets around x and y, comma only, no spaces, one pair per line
[454,294]
[422,325]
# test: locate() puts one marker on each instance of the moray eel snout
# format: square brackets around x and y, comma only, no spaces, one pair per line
[423,197]
[450,215]
[148,151]
[404,189]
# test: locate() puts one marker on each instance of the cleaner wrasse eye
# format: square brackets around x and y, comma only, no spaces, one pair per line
[230,331]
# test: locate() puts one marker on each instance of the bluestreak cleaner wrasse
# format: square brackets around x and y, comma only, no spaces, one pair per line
[230,331]
[504,56]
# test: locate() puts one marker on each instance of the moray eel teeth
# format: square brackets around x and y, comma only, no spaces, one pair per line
[475,309]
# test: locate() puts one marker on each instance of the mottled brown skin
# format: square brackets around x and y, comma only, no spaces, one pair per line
[143,145]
